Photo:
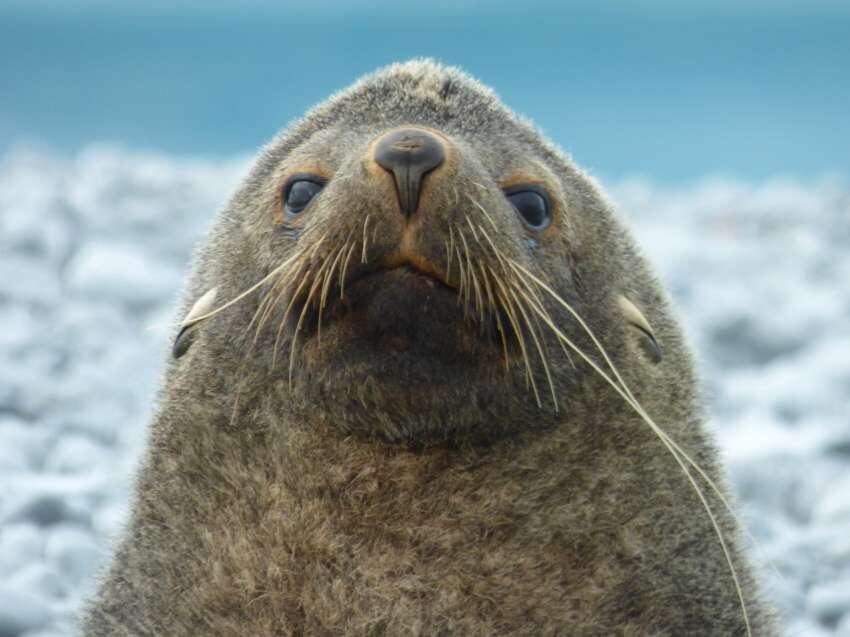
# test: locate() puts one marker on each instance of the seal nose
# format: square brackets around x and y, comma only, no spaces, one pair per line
[409,154]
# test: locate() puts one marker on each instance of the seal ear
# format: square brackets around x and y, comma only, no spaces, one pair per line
[196,315]
[636,318]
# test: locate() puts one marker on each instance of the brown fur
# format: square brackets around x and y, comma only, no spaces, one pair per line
[402,479]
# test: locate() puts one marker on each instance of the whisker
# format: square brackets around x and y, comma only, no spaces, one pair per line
[365,239]
[496,313]
[328,279]
[450,251]
[242,295]
[292,298]
[472,228]
[281,284]
[488,290]
[345,268]
[538,345]
[501,257]
[511,314]
[282,273]
[270,301]
[461,282]
[321,281]
[486,214]
[675,450]
[530,293]
[472,280]
[262,307]
[317,280]
[616,373]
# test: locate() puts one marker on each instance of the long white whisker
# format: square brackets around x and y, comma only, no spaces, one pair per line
[241,296]
[671,445]
[539,347]
[634,402]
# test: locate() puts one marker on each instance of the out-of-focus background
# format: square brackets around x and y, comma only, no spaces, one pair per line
[720,128]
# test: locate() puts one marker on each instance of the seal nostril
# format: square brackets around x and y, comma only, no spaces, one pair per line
[407,146]
[409,154]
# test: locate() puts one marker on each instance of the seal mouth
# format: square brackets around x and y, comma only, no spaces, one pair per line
[399,305]
[429,276]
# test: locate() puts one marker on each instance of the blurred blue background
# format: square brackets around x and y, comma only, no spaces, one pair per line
[668,90]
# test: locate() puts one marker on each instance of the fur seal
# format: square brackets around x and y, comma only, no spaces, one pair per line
[426,384]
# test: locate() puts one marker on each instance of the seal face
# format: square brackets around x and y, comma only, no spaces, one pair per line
[392,253]
[413,285]
[425,384]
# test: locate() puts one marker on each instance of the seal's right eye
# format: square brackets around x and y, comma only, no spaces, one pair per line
[532,204]
[298,193]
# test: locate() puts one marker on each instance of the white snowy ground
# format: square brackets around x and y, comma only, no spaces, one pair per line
[92,252]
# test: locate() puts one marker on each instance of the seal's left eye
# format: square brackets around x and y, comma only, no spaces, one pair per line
[299,193]
[532,204]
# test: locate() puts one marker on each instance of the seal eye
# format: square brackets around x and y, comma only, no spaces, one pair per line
[299,193]
[532,204]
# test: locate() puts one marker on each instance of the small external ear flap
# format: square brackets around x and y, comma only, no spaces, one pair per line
[196,315]
[636,318]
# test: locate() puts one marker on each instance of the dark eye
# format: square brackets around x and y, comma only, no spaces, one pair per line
[299,193]
[532,204]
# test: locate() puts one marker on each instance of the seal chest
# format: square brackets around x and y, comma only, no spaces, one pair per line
[424,383]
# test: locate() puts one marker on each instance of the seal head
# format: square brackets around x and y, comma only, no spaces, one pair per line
[398,256]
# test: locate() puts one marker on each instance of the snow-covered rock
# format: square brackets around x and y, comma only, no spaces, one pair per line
[21,611]
[830,602]
[40,578]
[76,552]
[122,272]
[20,544]
[74,453]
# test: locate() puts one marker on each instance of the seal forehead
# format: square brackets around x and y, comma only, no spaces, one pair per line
[419,82]
[426,93]
[416,92]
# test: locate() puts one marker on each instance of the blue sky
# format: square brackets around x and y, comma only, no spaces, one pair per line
[668,90]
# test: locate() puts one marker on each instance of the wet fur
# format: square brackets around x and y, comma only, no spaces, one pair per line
[416,494]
